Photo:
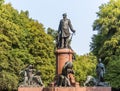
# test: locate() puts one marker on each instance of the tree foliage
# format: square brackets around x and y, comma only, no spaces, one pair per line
[106,43]
[113,72]
[52,32]
[23,41]
[84,65]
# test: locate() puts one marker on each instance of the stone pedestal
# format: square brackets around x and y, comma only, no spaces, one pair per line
[77,89]
[64,89]
[30,88]
[62,56]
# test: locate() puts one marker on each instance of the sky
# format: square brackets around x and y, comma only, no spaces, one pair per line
[82,14]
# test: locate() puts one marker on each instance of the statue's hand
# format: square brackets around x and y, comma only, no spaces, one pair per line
[73,31]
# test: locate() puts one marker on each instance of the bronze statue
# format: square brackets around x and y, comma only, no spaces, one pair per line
[30,77]
[37,79]
[66,77]
[63,32]
[30,74]
[90,81]
[100,70]
[24,81]
[99,81]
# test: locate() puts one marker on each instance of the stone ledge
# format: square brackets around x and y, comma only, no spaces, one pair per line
[30,88]
[64,51]
[77,89]
[64,89]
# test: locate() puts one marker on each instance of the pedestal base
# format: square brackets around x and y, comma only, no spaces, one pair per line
[62,56]
[77,89]
[30,89]
[64,89]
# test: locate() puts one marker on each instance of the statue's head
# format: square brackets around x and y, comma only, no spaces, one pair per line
[38,73]
[64,15]
[69,64]
[30,66]
[99,60]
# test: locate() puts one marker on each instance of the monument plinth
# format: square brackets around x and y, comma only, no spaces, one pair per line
[30,88]
[62,56]
[78,89]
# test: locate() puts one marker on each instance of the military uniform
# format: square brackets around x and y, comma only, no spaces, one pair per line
[64,32]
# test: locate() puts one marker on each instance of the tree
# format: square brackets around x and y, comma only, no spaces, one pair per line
[23,41]
[1,2]
[84,65]
[52,32]
[106,43]
[113,72]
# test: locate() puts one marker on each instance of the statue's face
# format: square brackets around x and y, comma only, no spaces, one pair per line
[30,66]
[64,15]
[99,60]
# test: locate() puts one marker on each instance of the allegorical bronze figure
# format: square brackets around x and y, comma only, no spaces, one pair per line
[29,78]
[66,78]
[100,70]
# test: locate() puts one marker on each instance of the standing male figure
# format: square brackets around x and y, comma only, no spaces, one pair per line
[63,31]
